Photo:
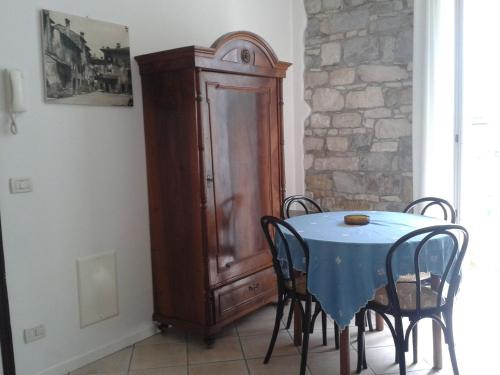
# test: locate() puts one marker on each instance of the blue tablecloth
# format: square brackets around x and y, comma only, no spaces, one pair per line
[347,263]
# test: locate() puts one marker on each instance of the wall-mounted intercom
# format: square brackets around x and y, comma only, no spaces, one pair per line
[15,95]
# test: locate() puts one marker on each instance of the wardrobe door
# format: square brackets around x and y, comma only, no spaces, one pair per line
[241,134]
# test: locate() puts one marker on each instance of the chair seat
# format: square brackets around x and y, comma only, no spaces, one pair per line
[300,284]
[410,278]
[407,295]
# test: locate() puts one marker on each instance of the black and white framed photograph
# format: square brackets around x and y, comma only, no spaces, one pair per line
[85,61]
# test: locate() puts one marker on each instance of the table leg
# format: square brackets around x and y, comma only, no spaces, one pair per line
[297,324]
[345,360]
[379,322]
[436,333]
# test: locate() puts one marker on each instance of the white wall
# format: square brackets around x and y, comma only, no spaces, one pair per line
[88,170]
[301,109]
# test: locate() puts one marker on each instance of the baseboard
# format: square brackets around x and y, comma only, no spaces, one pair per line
[72,364]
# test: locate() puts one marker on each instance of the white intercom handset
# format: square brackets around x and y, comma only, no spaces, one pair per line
[15,96]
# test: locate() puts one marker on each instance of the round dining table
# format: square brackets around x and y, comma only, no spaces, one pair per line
[347,262]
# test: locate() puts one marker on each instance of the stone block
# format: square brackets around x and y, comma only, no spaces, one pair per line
[308,161]
[343,76]
[392,128]
[332,4]
[384,183]
[313,51]
[405,154]
[381,73]
[333,132]
[348,182]
[330,53]
[360,50]
[350,204]
[326,99]
[313,143]
[320,132]
[337,143]
[337,163]
[378,113]
[313,79]
[361,142]
[369,98]
[319,120]
[395,97]
[392,23]
[346,120]
[376,161]
[312,6]
[388,46]
[403,49]
[407,193]
[319,182]
[312,62]
[312,28]
[346,21]
[385,147]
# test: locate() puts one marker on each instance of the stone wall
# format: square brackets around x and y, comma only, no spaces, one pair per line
[358,83]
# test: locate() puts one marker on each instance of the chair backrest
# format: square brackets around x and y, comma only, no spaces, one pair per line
[279,241]
[420,206]
[308,205]
[450,247]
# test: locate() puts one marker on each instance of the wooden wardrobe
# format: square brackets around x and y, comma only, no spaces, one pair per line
[214,140]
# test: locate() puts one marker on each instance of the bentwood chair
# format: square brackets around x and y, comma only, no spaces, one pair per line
[435,207]
[419,300]
[299,203]
[305,205]
[290,284]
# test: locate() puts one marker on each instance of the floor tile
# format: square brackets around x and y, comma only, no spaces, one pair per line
[328,363]
[156,356]
[376,339]
[171,336]
[220,368]
[224,349]
[253,325]
[114,363]
[176,370]
[256,346]
[316,341]
[285,365]
[381,361]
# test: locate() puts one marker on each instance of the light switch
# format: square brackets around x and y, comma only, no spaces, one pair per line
[20,185]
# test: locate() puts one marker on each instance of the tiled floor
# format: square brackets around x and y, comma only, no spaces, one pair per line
[240,349]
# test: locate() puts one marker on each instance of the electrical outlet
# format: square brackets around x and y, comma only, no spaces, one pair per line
[33,334]
[20,185]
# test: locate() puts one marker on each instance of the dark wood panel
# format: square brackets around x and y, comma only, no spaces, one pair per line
[234,298]
[213,128]
[174,195]
[241,124]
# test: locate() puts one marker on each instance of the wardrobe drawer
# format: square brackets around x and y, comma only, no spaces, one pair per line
[244,294]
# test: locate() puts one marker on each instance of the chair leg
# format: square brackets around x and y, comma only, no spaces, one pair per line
[369,320]
[317,310]
[451,341]
[337,335]
[323,327]
[400,345]
[290,314]
[360,323]
[414,335]
[277,322]
[305,339]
